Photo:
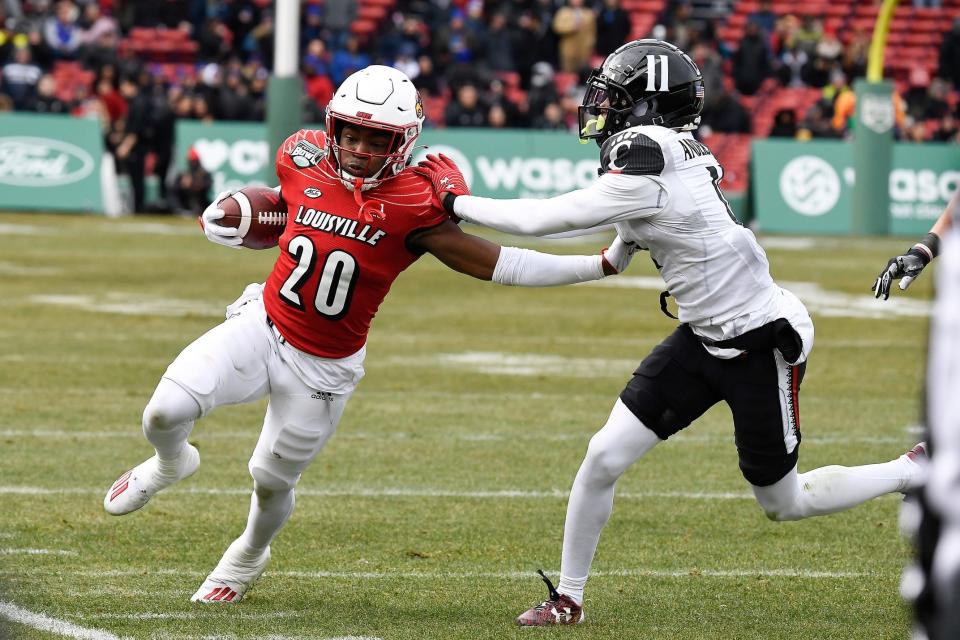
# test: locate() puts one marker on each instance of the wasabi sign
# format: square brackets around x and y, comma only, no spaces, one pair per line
[495,163]
[510,164]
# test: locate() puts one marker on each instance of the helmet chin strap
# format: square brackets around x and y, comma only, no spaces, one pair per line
[358,192]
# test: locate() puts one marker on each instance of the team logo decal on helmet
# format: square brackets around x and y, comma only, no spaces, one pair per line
[644,82]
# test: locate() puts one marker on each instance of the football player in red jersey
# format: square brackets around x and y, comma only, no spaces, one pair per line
[357,217]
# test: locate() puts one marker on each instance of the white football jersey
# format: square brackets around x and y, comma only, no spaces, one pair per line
[660,188]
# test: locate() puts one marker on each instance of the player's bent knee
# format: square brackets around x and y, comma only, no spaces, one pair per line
[603,460]
[782,513]
[267,482]
[157,417]
[169,407]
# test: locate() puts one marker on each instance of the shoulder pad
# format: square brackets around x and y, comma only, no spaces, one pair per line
[631,152]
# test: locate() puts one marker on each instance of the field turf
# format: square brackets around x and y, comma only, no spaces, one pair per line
[445,486]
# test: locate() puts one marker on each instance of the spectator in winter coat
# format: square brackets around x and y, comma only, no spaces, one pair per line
[751,62]
[950,55]
[613,27]
[20,78]
[576,27]
[60,31]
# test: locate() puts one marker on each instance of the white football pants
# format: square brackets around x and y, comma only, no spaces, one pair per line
[239,361]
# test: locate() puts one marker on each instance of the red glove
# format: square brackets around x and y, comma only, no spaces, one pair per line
[445,178]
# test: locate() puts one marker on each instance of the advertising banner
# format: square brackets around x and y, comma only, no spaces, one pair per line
[235,153]
[496,164]
[50,163]
[807,187]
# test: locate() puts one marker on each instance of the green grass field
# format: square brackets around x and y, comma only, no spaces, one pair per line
[445,486]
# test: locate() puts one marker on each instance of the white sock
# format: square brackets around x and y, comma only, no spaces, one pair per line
[572,588]
[269,511]
[834,488]
[621,441]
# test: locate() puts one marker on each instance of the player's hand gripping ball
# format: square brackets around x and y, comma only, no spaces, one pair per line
[253,217]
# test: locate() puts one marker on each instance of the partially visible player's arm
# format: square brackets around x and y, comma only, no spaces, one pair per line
[485,260]
[908,266]
[612,198]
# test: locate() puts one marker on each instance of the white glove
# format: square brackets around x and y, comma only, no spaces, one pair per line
[227,236]
[619,254]
[251,292]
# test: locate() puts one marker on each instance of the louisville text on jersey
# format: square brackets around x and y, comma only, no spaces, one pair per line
[338,225]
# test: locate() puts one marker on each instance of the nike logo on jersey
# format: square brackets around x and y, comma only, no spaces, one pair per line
[693,149]
[338,226]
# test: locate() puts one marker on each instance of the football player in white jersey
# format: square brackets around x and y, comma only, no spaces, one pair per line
[742,339]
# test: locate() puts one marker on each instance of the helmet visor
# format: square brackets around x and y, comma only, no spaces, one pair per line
[594,110]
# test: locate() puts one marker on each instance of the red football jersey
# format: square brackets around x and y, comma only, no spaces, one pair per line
[337,261]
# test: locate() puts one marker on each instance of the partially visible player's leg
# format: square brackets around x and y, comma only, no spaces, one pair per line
[167,422]
[612,450]
[664,396]
[298,423]
[620,443]
[226,365]
[763,393]
[834,488]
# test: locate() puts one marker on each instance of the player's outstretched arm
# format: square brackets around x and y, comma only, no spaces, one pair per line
[612,198]
[908,266]
[485,260]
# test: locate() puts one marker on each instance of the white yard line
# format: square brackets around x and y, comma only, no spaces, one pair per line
[130,304]
[15,269]
[520,434]
[163,635]
[25,230]
[183,615]
[361,492]
[519,364]
[36,552]
[819,301]
[691,572]
[42,622]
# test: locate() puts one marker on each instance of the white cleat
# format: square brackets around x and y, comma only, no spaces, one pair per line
[234,575]
[917,460]
[134,488]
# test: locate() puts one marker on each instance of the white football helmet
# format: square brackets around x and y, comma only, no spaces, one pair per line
[381,98]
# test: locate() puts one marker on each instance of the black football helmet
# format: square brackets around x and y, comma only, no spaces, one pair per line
[643,82]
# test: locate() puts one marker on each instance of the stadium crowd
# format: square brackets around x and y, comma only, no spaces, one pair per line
[140,66]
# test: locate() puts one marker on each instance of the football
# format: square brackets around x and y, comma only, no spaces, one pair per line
[259,213]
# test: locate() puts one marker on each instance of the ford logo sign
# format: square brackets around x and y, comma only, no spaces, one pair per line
[42,162]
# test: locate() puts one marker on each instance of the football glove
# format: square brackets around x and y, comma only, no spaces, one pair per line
[906,267]
[251,292]
[445,178]
[619,254]
[227,236]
